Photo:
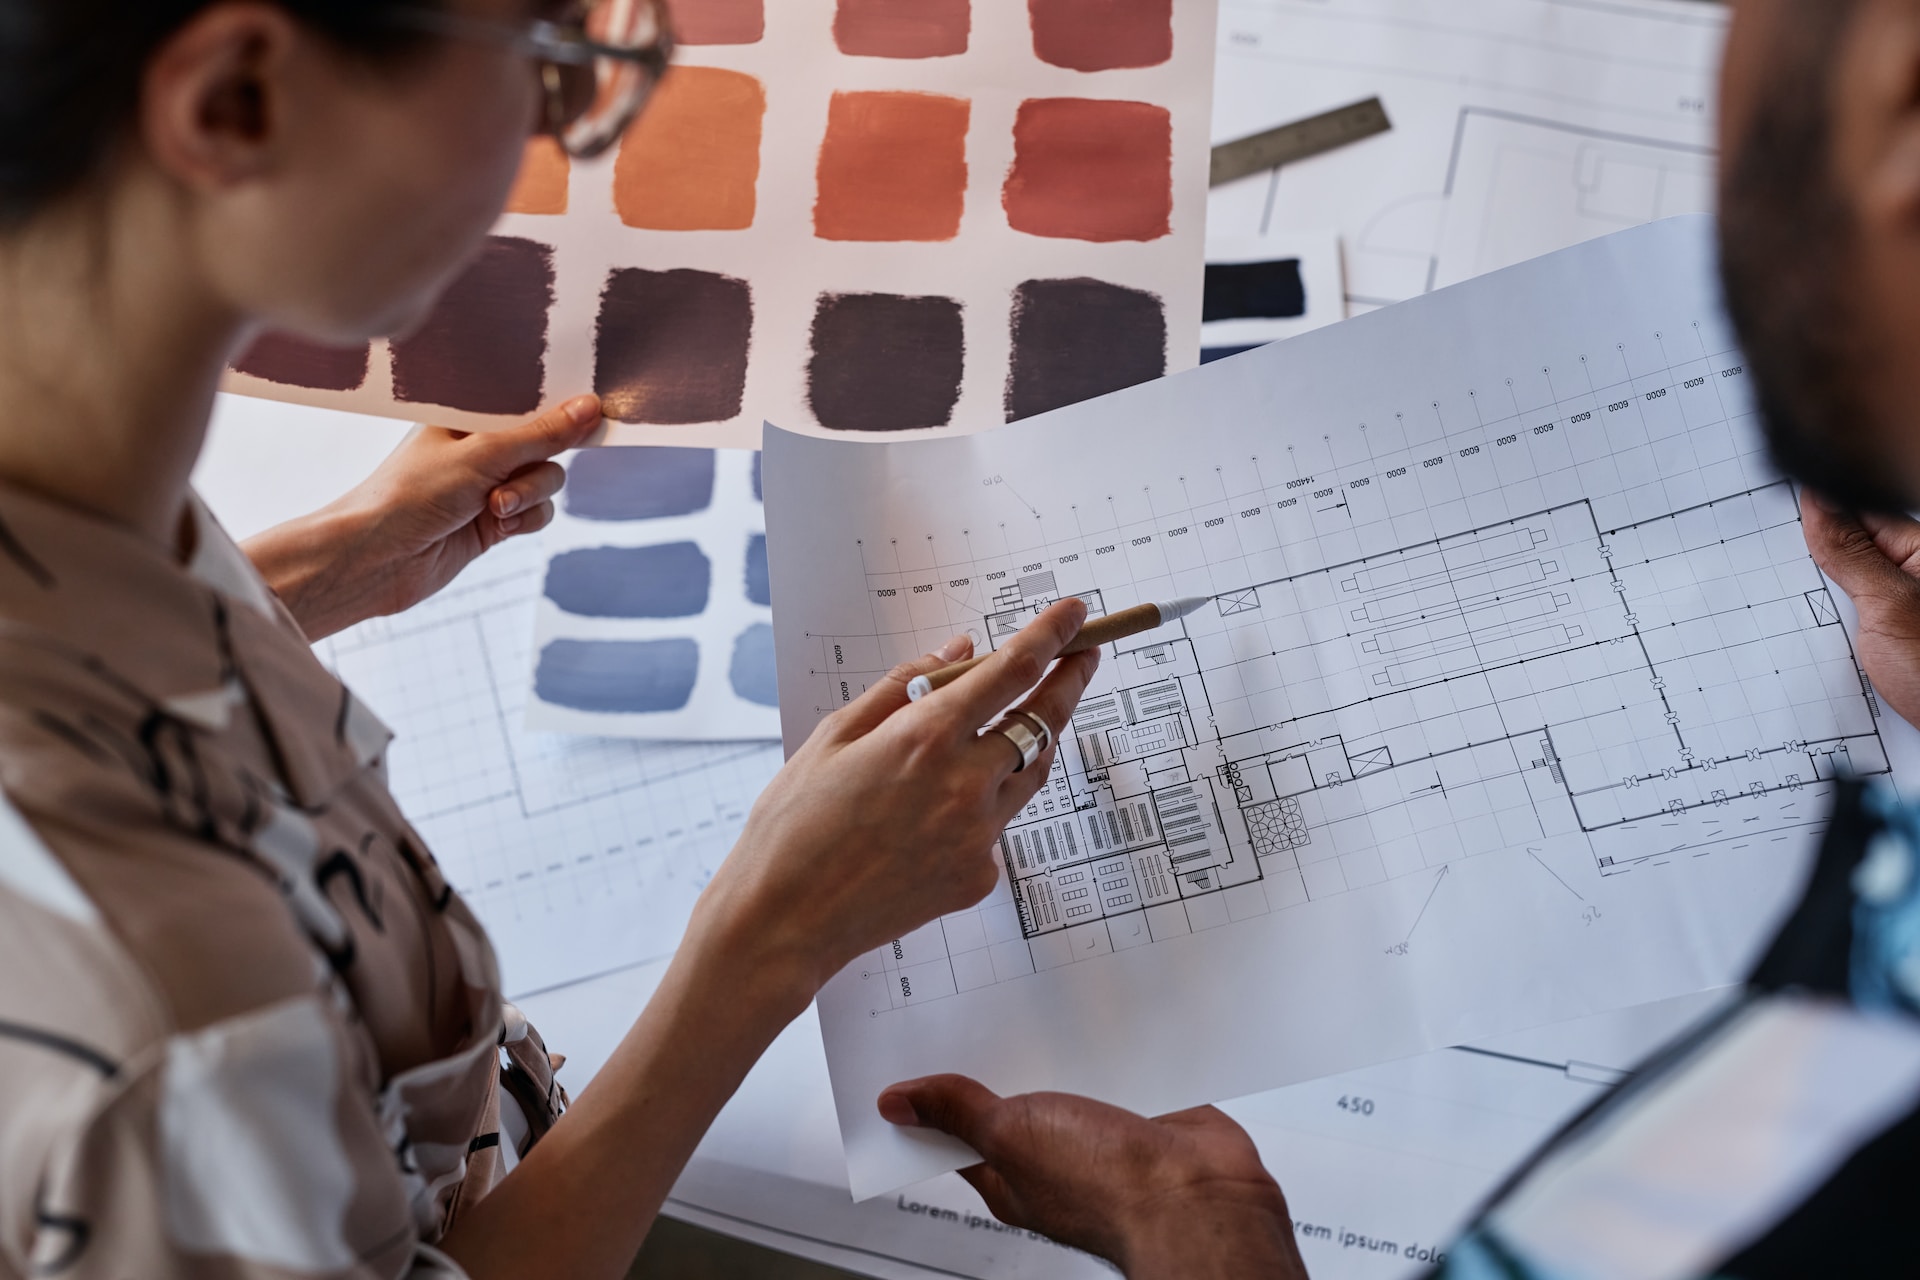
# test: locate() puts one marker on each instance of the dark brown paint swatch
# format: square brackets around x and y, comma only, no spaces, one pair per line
[902,28]
[1091,169]
[296,362]
[671,346]
[1102,35]
[883,362]
[1077,339]
[484,348]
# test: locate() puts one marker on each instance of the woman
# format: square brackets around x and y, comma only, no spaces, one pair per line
[246,1030]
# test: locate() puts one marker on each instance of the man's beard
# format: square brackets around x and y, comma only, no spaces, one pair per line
[1787,246]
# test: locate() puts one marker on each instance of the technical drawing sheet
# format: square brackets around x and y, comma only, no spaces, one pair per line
[580,855]
[1519,126]
[1518,702]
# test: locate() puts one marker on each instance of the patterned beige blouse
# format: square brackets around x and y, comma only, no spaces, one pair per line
[246,1028]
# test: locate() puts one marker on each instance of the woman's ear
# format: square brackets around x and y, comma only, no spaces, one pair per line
[215,98]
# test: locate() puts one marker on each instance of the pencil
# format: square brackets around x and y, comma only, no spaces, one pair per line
[1099,631]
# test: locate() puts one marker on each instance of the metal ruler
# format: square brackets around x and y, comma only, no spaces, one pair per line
[1297,141]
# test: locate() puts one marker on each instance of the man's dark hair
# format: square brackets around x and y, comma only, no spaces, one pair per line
[1787,241]
[70,75]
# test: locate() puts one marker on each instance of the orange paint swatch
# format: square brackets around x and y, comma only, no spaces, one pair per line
[718,21]
[1091,169]
[692,160]
[893,167]
[542,185]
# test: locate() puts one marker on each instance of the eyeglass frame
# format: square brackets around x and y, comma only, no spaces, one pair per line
[553,46]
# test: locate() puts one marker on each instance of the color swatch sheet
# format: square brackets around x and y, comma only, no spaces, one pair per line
[1519,126]
[580,855]
[1518,701]
[844,215]
[654,618]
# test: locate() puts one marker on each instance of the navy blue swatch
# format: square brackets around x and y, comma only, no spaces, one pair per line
[1254,291]
[613,677]
[759,589]
[669,580]
[639,483]
[1209,354]
[753,671]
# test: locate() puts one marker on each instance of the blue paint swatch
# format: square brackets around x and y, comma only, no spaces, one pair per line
[670,580]
[759,494]
[753,672]
[614,677]
[639,483]
[759,589]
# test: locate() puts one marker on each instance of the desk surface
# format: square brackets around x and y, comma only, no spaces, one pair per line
[679,1251]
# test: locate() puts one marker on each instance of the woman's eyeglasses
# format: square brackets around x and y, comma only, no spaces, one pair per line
[599,62]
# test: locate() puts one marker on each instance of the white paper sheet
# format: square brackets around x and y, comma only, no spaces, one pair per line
[1519,126]
[663,583]
[1517,704]
[789,268]
[1416,1148]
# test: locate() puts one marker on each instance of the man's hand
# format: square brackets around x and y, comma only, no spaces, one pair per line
[1876,561]
[438,503]
[1182,1196]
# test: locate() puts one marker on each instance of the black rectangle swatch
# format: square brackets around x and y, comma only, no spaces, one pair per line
[671,347]
[885,362]
[484,347]
[296,362]
[670,580]
[1254,291]
[621,483]
[1080,338]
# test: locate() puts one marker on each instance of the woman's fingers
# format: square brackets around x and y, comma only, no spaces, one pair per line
[865,713]
[980,695]
[1053,705]
[563,427]
[533,486]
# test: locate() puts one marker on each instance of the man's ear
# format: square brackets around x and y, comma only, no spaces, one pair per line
[214,98]
[1875,88]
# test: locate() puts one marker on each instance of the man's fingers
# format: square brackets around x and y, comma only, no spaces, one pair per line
[1898,537]
[889,693]
[951,1104]
[984,692]
[563,427]
[1846,550]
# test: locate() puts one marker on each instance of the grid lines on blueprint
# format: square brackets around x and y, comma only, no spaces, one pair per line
[581,855]
[1573,607]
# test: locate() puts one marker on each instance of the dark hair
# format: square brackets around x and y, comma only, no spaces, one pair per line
[70,75]
[1788,259]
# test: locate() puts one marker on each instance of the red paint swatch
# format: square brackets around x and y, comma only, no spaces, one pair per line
[692,161]
[1091,169]
[718,21]
[903,28]
[1102,35]
[893,167]
[296,362]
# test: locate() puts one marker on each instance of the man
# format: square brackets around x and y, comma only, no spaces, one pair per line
[1783,1137]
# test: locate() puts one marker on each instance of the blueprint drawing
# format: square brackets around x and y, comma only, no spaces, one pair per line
[1520,698]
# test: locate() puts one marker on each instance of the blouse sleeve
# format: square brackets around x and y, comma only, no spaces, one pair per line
[245,1151]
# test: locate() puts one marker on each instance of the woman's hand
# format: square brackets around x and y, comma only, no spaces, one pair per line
[1876,561]
[439,502]
[887,818]
[1184,1195]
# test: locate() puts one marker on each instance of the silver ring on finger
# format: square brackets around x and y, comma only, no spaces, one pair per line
[1018,728]
[1040,726]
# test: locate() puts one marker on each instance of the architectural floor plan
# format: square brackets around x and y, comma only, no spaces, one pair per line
[1519,698]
